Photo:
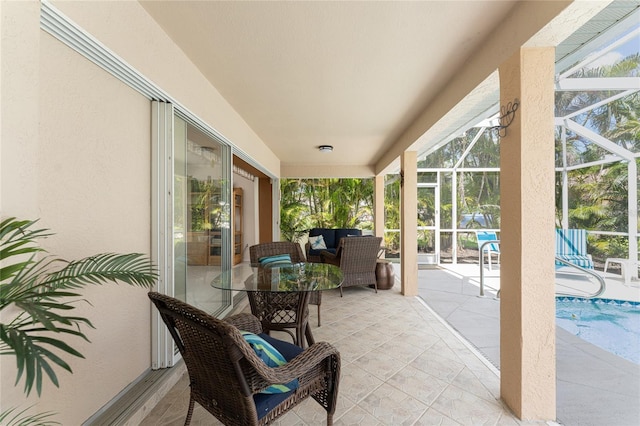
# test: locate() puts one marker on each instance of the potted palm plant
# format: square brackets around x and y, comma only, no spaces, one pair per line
[39,292]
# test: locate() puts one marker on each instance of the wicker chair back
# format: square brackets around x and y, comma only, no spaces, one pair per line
[277,318]
[357,258]
[226,376]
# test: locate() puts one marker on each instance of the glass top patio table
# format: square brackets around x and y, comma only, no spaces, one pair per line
[279,294]
[297,277]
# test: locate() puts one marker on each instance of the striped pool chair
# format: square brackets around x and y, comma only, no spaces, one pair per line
[571,245]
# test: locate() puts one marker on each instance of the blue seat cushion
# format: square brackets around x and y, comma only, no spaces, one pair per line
[331,238]
[313,252]
[288,350]
[266,402]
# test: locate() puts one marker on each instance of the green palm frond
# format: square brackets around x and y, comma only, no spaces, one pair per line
[43,292]
[11,417]
[16,239]
[134,269]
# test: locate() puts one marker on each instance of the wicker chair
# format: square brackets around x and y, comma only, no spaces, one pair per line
[357,258]
[226,376]
[283,247]
[274,248]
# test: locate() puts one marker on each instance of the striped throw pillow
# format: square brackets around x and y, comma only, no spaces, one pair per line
[280,259]
[270,356]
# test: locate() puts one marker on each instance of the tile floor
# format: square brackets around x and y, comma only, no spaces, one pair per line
[400,366]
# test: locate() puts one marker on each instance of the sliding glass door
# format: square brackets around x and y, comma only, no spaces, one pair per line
[191,208]
[202,210]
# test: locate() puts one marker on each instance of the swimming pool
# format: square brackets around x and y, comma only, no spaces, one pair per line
[613,325]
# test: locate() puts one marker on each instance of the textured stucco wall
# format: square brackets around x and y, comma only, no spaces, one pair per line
[408,223]
[84,170]
[94,173]
[19,116]
[527,304]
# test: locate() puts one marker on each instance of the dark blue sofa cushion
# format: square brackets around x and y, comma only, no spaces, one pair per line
[313,252]
[341,233]
[331,238]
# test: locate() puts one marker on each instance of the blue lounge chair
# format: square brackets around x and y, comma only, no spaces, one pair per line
[571,245]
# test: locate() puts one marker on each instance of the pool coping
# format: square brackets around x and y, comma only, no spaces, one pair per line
[594,386]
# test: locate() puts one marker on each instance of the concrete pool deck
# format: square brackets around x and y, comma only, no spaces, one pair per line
[594,387]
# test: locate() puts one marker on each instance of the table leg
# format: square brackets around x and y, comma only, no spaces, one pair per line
[302,317]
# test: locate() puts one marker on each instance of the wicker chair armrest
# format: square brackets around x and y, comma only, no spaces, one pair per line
[328,257]
[246,322]
[312,356]
[297,367]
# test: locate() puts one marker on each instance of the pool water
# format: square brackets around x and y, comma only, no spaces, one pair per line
[613,325]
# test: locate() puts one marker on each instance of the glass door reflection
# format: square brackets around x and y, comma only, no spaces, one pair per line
[202,209]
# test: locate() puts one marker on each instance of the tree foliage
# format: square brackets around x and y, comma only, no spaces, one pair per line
[324,203]
[598,195]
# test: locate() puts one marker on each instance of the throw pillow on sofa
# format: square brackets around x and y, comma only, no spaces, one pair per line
[317,242]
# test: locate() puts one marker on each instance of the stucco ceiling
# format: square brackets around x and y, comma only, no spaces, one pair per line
[354,75]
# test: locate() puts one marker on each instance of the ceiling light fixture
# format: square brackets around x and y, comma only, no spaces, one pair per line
[325,148]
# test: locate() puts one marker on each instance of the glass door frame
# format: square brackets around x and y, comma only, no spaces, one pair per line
[435,186]
[163,350]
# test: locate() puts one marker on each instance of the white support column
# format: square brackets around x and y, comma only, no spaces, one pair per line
[454,214]
[632,169]
[378,207]
[565,181]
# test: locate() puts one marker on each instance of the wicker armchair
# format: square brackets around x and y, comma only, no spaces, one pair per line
[226,376]
[357,258]
[283,247]
[274,248]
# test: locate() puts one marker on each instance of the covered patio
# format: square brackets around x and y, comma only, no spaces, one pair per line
[94,94]
[400,365]
[434,359]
